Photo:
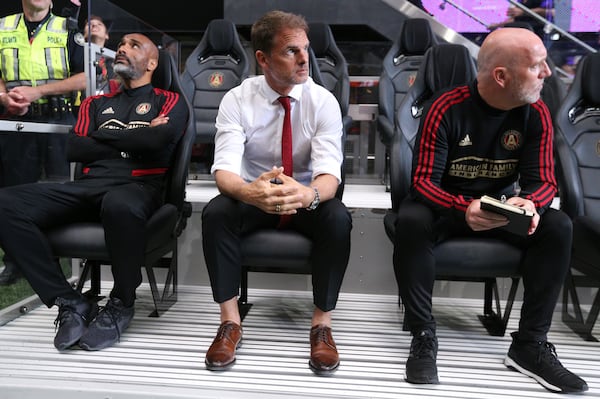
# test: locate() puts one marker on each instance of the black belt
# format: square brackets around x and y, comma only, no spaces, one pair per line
[50,107]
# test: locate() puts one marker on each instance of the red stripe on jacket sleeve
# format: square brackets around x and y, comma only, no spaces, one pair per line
[83,121]
[547,190]
[427,146]
[171,99]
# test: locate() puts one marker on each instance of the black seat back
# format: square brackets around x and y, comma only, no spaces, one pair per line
[332,64]
[328,68]
[400,66]
[218,63]
[577,146]
[577,142]
[443,66]
[167,77]
[554,90]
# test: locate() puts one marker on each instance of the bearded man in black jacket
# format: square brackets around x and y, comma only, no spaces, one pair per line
[125,141]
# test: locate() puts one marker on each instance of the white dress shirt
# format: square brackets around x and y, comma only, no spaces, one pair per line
[249,125]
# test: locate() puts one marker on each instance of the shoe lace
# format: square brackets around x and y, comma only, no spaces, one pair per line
[547,354]
[224,331]
[110,315]
[65,313]
[320,335]
[423,346]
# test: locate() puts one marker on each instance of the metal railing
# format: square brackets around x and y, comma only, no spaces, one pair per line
[550,26]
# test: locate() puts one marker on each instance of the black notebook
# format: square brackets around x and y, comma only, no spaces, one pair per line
[519,219]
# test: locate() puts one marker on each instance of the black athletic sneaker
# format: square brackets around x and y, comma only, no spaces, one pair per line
[107,327]
[11,274]
[539,361]
[421,365]
[72,321]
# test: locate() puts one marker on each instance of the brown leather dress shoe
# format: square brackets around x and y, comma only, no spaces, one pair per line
[221,354]
[324,357]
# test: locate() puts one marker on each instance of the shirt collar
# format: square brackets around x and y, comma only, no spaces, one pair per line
[147,88]
[273,96]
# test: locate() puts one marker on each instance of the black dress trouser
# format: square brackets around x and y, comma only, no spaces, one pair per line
[123,207]
[543,268]
[225,221]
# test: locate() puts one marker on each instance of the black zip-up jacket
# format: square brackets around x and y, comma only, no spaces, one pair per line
[113,138]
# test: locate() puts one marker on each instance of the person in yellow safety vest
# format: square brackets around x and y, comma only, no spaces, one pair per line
[41,69]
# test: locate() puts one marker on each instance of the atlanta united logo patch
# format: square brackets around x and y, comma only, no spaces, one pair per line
[143,108]
[215,79]
[511,140]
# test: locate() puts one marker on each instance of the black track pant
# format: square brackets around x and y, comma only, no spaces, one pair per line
[26,211]
[544,265]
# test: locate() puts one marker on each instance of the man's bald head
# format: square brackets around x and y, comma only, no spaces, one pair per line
[136,59]
[148,45]
[505,47]
[511,68]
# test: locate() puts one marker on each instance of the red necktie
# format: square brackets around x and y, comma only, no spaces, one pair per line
[286,149]
[286,138]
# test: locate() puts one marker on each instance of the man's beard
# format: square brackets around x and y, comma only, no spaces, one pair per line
[525,96]
[126,72]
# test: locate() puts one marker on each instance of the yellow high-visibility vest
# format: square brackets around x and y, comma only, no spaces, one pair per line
[44,59]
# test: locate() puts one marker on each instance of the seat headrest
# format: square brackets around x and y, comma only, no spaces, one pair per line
[162,77]
[590,80]
[320,37]
[448,65]
[416,37]
[221,35]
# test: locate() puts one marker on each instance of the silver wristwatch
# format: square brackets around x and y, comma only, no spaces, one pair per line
[315,202]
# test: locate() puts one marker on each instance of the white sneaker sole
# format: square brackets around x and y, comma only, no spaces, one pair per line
[508,362]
